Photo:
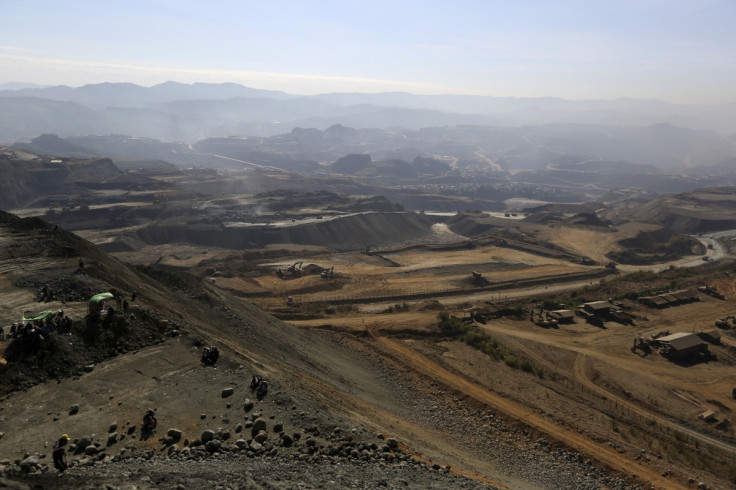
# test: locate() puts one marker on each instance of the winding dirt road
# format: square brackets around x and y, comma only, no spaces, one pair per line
[514,410]
[582,377]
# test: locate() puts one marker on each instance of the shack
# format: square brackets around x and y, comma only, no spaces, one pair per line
[681,345]
[562,316]
[686,295]
[654,301]
[712,336]
[598,308]
[708,415]
[670,298]
[674,298]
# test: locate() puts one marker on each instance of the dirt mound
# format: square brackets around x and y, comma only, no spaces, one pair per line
[312,269]
[345,233]
[67,353]
[24,181]
[430,305]
[656,246]
[586,219]
[471,224]
[700,211]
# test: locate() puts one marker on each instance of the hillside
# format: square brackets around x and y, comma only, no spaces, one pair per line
[335,408]
[701,211]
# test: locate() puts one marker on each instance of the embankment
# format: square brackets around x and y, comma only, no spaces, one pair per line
[346,233]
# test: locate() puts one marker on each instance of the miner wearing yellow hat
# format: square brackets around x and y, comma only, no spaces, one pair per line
[60,453]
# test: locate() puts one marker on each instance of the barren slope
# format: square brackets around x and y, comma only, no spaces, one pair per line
[316,379]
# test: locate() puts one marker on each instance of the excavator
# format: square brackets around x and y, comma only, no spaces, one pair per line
[643,344]
[294,269]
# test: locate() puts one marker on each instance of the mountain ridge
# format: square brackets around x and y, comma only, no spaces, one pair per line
[445,109]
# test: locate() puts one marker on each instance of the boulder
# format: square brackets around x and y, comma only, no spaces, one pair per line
[392,443]
[213,446]
[90,450]
[30,463]
[112,438]
[261,436]
[248,405]
[113,427]
[259,424]
[255,446]
[74,409]
[83,442]
[207,436]
[174,434]
[227,392]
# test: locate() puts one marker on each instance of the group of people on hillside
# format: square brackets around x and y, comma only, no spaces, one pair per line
[258,385]
[47,294]
[30,334]
[108,310]
[59,452]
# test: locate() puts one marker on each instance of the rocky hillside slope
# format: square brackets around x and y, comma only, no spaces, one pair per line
[336,413]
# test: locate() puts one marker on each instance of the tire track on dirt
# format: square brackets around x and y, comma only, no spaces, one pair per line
[582,377]
[516,411]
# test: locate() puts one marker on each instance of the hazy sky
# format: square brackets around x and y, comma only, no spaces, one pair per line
[676,50]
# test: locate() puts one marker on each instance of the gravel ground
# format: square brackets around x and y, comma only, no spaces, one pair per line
[519,458]
[238,471]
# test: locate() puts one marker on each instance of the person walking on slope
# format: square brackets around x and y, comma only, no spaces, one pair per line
[59,453]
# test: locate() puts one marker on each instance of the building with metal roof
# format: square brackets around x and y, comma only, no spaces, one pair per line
[683,344]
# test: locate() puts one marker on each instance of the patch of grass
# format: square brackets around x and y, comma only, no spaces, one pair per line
[480,340]
[396,308]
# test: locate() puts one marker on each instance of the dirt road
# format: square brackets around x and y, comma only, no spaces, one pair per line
[601,453]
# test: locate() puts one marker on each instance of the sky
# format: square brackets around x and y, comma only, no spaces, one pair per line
[681,51]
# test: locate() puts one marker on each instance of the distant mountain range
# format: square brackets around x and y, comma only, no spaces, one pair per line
[183,112]
[192,125]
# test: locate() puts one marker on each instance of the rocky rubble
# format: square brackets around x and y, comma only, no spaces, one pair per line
[259,452]
[514,449]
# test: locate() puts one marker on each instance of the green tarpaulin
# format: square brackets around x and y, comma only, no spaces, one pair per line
[41,316]
[100,297]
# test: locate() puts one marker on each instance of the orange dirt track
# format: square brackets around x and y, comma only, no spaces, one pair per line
[512,409]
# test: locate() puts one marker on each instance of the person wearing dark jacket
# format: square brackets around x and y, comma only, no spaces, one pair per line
[59,453]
